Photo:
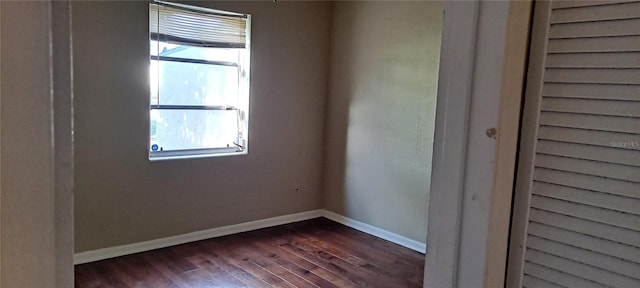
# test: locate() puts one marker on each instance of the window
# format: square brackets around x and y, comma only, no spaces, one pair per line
[199,79]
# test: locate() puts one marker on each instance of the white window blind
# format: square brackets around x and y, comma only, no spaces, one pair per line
[207,28]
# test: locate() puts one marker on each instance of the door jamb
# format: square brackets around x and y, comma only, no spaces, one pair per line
[530,116]
[450,142]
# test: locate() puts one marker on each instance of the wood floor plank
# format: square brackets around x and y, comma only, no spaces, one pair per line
[410,269]
[166,268]
[345,259]
[330,263]
[327,260]
[87,276]
[107,274]
[395,251]
[317,253]
[130,280]
[246,261]
[302,272]
[283,273]
[214,265]
[217,272]
[307,266]
[226,264]
[349,254]
[260,257]
[138,271]
[257,241]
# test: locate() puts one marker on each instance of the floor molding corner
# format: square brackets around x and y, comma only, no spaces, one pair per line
[375,231]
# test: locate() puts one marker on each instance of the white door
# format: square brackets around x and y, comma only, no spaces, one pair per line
[576,219]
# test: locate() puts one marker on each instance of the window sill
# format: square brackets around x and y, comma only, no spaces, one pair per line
[195,156]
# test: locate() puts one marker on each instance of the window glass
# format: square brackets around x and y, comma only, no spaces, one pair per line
[193,129]
[194,84]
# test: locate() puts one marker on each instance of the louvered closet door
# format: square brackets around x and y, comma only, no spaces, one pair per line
[577,204]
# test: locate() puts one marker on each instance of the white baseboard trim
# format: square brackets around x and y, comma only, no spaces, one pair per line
[111,252]
[375,231]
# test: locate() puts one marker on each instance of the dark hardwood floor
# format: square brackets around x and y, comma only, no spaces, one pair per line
[313,253]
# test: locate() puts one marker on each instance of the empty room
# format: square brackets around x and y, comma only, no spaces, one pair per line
[274,113]
[319,143]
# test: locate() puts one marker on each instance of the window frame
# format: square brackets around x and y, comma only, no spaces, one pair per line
[243,90]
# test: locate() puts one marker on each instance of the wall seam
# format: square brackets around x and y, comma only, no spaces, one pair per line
[325,129]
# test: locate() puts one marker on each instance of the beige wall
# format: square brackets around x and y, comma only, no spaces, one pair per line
[122,198]
[63,139]
[27,172]
[35,223]
[380,118]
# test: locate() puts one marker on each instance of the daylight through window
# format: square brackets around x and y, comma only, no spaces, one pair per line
[199,77]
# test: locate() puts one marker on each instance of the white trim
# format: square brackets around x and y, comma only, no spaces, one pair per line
[186,155]
[105,253]
[375,231]
[448,178]
[111,252]
[528,142]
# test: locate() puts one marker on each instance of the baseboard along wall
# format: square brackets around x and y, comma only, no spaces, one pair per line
[375,231]
[111,252]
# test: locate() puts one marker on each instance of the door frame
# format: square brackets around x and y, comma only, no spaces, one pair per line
[455,82]
[482,71]
[522,195]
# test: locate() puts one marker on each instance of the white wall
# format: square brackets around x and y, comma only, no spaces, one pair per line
[381,113]
[122,198]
